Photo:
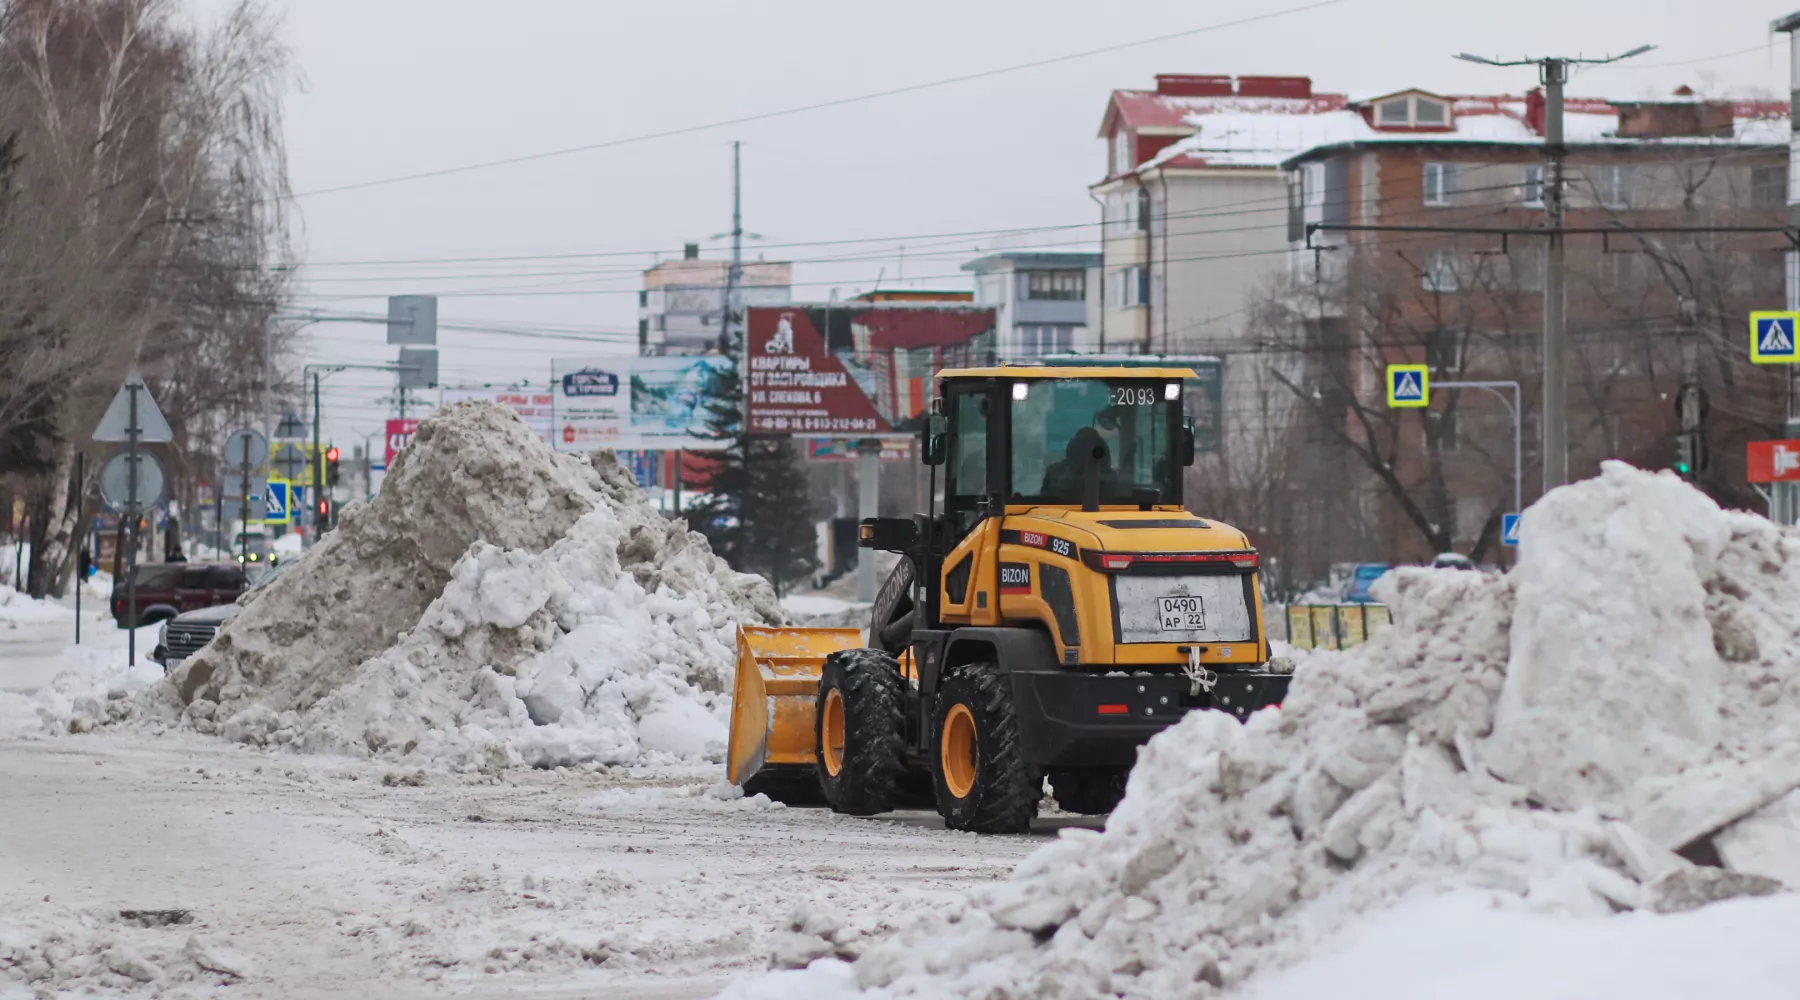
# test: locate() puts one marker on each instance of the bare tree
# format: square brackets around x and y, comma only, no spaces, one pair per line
[142,206]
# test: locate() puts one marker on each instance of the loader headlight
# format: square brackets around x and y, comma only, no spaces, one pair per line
[1021,390]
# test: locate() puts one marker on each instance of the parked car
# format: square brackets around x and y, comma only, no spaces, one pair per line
[165,590]
[183,635]
[1452,560]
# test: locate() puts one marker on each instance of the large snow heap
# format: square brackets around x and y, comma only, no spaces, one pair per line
[1615,725]
[497,603]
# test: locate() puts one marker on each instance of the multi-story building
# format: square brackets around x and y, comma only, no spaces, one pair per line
[682,302]
[1194,203]
[1044,301]
[1677,196]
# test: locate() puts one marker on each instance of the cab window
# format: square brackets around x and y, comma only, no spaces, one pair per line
[968,445]
[1057,424]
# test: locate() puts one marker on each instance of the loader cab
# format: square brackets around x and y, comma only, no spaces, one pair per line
[1014,439]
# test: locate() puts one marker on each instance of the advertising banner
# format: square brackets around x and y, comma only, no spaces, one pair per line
[629,402]
[844,450]
[399,432]
[534,406]
[854,370]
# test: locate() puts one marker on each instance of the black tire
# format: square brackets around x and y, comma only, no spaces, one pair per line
[1093,792]
[998,791]
[859,776]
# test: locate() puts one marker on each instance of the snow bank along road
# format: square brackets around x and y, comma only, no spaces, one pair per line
[301,876]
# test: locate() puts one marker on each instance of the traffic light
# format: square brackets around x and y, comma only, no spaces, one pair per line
[1684,455]
[323,521]
[331,466]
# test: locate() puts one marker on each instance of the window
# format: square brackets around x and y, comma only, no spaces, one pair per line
[968,446]
[1429,113]
[1613,185]
[1532,191]
[1393,112]
[1125,212]
[1066,286]
[1058,423]
[1527,266]
[1037,340]
[1121,152]
[1440,183]
[1768,186]
[1442,273]
[1129,286]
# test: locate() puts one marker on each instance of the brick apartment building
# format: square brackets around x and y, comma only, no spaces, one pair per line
[1647,312]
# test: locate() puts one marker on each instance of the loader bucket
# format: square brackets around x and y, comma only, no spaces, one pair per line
[772,698]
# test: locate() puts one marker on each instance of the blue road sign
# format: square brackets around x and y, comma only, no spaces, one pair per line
[278,502]
[1509,529]
[1772,340]
[1408,386]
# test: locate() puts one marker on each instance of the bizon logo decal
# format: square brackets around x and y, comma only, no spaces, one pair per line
[590,382]
[1015,578]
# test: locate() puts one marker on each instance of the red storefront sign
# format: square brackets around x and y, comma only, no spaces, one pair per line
[1774,462]
[399,432]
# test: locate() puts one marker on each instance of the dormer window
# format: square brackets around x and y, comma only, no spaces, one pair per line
[1411,110]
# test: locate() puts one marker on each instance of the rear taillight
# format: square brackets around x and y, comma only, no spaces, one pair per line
[1115,562]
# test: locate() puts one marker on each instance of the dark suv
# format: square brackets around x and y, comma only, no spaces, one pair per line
[165,590]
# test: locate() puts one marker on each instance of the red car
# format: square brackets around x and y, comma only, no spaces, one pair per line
[165,590]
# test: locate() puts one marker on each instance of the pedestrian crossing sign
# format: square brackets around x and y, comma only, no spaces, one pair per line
[1408,385]
[1509,529]
[278,502]
[1772,338]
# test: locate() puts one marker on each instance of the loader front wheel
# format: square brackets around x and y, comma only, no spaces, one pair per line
[861,740]
[982,781]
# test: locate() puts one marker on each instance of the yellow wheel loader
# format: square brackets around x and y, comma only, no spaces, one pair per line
[1053,609]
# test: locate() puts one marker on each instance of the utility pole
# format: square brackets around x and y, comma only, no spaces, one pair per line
[1553,73]
[318,467]
[1783,511]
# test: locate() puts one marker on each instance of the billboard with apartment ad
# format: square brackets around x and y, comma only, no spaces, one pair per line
[855,370]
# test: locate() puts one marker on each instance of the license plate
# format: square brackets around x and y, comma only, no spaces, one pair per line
[1181,614]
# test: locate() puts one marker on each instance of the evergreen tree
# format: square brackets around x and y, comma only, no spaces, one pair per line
[758,513]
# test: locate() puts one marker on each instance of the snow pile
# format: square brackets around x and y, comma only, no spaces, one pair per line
[55,950]
[1567,740]
[496,604]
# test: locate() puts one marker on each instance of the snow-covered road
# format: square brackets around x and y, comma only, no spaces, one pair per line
[332,877]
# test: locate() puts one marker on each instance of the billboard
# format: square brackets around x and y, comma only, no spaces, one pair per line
[631,402]
[854,370]
[534,406]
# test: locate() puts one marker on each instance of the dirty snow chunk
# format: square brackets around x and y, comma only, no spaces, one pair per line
[1514,760]
[1766,842]
[497,604]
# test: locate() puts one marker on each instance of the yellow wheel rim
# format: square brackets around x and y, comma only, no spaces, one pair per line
[956,751]
[832,732]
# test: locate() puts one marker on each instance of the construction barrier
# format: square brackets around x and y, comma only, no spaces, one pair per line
[1335,626]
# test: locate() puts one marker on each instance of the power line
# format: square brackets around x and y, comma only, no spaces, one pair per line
[818,106]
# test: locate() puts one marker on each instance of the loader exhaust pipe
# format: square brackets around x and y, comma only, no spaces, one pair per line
[1090,477]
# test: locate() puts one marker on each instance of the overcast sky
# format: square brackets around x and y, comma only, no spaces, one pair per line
[398,87]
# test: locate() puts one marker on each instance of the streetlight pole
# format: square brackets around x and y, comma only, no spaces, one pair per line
[1553,74]
[1513,407]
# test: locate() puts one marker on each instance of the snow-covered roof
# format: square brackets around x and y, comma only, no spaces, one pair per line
[1267,138]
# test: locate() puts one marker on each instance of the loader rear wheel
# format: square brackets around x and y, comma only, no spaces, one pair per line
[1090,792]
[860,731]
[981,779]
